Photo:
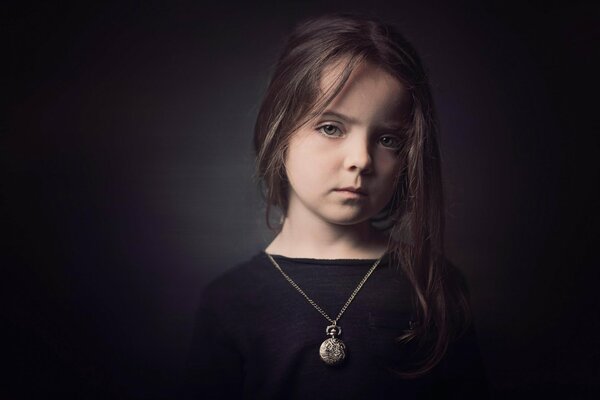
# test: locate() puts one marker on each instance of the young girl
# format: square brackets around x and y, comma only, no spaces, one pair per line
[353,297]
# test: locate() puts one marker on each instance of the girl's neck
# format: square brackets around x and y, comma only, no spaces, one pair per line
[328,241]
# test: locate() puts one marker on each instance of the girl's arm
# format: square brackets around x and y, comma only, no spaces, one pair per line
[214,367]
[463,368]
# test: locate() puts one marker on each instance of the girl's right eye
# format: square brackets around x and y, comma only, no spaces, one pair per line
[330,130]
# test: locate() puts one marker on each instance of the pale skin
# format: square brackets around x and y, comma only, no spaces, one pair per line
[356,147]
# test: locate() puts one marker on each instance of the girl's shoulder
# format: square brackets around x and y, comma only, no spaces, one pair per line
[237,282]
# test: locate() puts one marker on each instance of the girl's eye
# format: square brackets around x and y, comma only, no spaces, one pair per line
[391,142]
[330,130]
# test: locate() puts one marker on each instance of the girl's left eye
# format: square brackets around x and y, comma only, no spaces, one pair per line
[330,130]
[391,142]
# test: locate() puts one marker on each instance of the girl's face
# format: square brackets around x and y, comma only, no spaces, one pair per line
[353,144]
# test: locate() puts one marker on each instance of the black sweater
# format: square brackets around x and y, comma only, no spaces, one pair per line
[258,337]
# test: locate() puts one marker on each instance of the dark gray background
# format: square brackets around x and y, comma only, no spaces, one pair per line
[126,181]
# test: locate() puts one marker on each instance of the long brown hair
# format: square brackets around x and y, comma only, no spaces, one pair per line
[415,212]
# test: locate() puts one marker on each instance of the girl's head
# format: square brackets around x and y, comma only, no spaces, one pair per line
[325,60]
[322,57]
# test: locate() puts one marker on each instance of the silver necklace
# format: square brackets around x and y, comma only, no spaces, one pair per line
[332,350]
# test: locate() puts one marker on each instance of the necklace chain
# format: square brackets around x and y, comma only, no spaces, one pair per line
[319,309]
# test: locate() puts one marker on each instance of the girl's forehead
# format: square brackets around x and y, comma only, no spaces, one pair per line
[370,91]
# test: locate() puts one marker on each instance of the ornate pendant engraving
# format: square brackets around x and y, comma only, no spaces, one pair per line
[333,350]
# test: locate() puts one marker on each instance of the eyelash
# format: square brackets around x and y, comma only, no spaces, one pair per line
[320,130]
[398,142]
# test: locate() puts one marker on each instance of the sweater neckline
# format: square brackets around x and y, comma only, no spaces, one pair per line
[324,261]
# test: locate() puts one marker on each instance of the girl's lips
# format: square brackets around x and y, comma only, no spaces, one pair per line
[354,192]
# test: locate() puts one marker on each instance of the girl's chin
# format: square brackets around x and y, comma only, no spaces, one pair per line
[350,221]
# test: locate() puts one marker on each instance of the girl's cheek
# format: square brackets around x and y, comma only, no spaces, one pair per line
[388,162]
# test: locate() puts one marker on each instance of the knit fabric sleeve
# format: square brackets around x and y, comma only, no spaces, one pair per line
[463,369]
[214,365]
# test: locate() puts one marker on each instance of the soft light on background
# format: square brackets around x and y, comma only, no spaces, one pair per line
[127,185]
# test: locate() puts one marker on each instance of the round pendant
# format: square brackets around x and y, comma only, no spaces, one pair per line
[333,351]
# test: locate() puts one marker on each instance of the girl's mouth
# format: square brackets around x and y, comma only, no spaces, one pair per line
[352,192]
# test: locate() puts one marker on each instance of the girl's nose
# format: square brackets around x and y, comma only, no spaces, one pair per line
[358,155]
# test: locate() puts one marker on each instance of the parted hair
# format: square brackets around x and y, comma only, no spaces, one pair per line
[414,216]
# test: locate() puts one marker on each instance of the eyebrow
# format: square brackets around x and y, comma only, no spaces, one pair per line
[343,117]
[349,120]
